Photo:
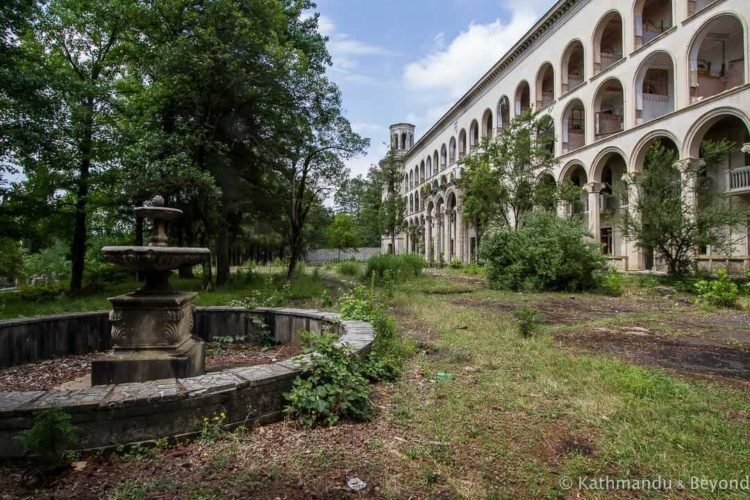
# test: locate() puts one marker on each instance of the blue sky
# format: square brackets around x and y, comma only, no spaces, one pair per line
[409,60]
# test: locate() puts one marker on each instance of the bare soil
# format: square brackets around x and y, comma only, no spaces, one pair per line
[51,373]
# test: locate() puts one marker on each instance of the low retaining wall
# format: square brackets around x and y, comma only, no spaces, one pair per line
[33,339]
[107,416]
[331,254]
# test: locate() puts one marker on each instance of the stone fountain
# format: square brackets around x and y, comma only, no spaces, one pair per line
[152,328]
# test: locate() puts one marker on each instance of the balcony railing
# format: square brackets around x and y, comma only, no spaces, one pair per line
[739,180]
[609,121]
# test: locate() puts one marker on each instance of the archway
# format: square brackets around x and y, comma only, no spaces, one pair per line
[462,143]
[611,195]
[654,88]
[523,98]
[573,66]
[487,124]
[443,157]
[503,112]
[574,126]
[573,180]
[473,135]
[608,46]
[651,18]
[717,58]
[545,135]
[609,116]
[545,86]
[452,151]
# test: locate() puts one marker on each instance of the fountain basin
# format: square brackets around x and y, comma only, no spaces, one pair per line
[153,258]
[158,212]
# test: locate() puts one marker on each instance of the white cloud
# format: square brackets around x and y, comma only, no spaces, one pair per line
[346,50]
[453,69]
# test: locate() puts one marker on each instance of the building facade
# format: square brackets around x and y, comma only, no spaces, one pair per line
[614,77]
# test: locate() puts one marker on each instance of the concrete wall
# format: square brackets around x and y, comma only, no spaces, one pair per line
[329,254]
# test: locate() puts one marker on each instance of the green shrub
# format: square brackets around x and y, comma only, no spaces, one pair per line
[456,264]
[529,320]
[43,293]
[546,253]
[358,304]
[50,438]
[474,269]
[385,362]
[213,428]
[332,387]
[397,267]
[348,268]
[721,292]
[611,283]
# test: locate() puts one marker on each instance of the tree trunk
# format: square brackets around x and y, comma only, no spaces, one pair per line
[222,255]
[393,242]
[80,232]
[295,251]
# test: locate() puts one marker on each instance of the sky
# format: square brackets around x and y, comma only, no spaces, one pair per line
[410,60]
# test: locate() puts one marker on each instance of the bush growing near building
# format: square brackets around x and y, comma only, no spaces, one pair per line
[456,264]
[395,267]
[546,253]
[611,283]
[721,292]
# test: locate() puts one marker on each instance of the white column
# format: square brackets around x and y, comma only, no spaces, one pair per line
[632,250]
[688,169]
[594,189]
[446,235]
[460,241]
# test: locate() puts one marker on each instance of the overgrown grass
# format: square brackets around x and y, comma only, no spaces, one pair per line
[304,286]
[525,412]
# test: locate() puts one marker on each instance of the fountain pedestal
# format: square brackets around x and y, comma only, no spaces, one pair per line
[152,328]
[153,339]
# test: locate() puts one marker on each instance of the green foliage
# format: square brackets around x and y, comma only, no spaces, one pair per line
[42,293]
[546,253]
[397,268]
[391,215]
[456,264]
[500,182]
[332,386]
[50,438]
[51,261]
[213,428]
[358,304]
[721,292]
[529,320]
[11,259]
[348,268]
[361,198]
[664,222]
[611,283]
[343,233]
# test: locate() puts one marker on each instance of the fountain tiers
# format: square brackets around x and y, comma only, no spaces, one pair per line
[152,328]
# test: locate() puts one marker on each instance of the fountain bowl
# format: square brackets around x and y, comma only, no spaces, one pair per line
[153,258]
[158,213]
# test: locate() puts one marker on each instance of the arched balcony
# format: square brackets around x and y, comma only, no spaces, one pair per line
[608,46]
[487,127]
[695,6]
[421,172]
[462,143]
[654,88]
[452,151]
[545,86]
[523,99]
[573,66]
[609,116]
[574,126]
[545,135]
[443,157]
[503,112]
[651,18]
[717,58]
[473,135]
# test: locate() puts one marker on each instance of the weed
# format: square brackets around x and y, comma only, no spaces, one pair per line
[212,429]
[50,438]
[721,292]
[529,320]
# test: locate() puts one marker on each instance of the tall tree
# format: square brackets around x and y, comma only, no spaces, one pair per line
[678,212]
[315,163]
[343,233]
[392,209]
[361,198]
[73,50]
[501,181]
